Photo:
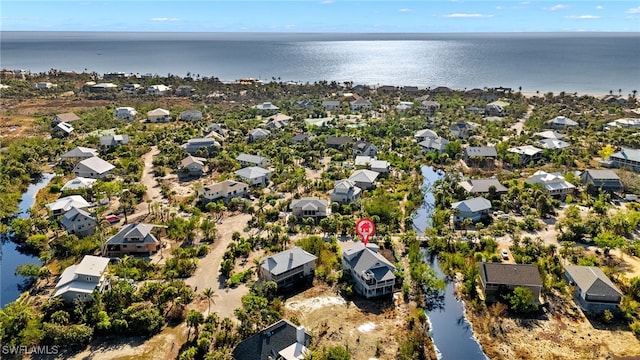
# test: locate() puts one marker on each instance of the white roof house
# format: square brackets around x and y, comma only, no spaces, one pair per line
[158,115]
[79,281]
[363,160]
[114,140]
[344,191]
[474,209]
[249,159]
[433,144]
[623,123]
[79,153]
[404,106]
[193,145]
[124,113]
[255,175]
[379,166]
[550,134]
[158,90]
[78,183]
[553,144]
[425,134]
[62,129]
[364,179]
[553,183]
[66,203]
[560,122]
[94,168]
[257,134]
[227,189]
[266,106]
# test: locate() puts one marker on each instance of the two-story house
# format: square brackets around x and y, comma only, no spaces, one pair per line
[78,282]
[133,238]
[364,148]
[345,191]
[158,116]
[79,222]
[254,175]
[225,190]
[252,160]
[288,267]
[475,209]
[94,168]
[607,180]
[310,207]
[372,274]
[125,113]
[497,278]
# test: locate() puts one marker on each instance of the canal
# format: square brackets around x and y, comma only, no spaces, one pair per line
[10,255]
[450,330]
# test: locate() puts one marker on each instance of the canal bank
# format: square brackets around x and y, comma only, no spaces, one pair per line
[451,332]
[10,255]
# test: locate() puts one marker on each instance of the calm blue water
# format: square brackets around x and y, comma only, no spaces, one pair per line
[571,62]
[450,330]
[10,257]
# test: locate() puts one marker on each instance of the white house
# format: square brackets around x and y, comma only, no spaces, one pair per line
[78,282]
[310,207]
[94,168]
[360,104]
[424,134]
[561,122]
[78,183]
[252,160]
[130,88]
[371,272]
[379,166]
[345,191]
[527,153]
[158,90]
[62,129]
[193,165]
[225,190]
[79,222]
[254,175]
[475,209]
[266,107]
[258,134]
[158,115]
[64,204]
[125,113]
[44,85]
[364,179]
[288,267]
[79,153]
[404,106]
[114,140]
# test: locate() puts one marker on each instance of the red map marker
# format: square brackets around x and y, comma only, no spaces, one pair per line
[365,228]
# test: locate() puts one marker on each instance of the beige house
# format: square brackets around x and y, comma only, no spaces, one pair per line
[310,207]
[133,239]
[225,190]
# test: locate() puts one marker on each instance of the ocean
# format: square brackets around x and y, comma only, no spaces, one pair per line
[595,63]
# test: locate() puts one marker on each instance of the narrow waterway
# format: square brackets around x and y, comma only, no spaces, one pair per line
[450,330]
[10,255]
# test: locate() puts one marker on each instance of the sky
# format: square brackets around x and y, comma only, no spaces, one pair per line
[425,16]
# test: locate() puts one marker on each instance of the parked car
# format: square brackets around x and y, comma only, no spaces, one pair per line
[505,254]
[112,219]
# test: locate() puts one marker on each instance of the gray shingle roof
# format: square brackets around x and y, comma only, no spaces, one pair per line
[138,231]
[592,281]
[472,205]
[367,259]
[287,260]
[482,151]
[510,274]
[482,185]
[268,343]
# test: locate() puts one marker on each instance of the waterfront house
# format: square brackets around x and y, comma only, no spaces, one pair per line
[280,341]
[497,279]
[193,145]
[191,115]
[475,209]
[125,113]
[626,158]
[606,180]
[338,141]
[561,122]
[345,191]
[553,183]
[372,274]
[78,183]
[433,144]
[185,90]
[364,179]
[62,130]
[331,105]
[288,267]
[158,90]
[266,108]
[360,104]
[254,175]
[429,107]
[225,190]
[526,154]
[111,141]
[194,166]
[480,156]
[424,134]
[79,153]
[594,291]
[94,168]
[133,239]
[252,160]
[310,207]
[158,115]
[78,282]
[258,134]
[364,148]
[65,117]
[483,186]
[79,222]
[64,204]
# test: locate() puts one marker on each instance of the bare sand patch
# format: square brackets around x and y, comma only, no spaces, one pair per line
[314,303]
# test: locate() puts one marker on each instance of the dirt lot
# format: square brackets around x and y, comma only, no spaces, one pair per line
[362,326]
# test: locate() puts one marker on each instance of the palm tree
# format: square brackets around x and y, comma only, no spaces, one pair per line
[194,319]
[209,294]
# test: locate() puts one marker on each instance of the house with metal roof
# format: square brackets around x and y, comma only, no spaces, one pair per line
[561,122]
[114,140]
[480,156]
[191,115]
[626,158]
[79,153]
[158,90]
[526,153]
[437,144]
[94,168]
[310,207]
[424,134]
[62,129]
[78,183]
[254,175]
[607,180]
[252,160]
[379,166]
[64,204]
[550,134]
[594,291]
[125,113]
[133,238]
[281,340]
[553,183]
[288,267]
[482,186]
[258,134]
[553,144]
[475,209]
[79,222]
[364,179]
[497,278]
[195,144]
[372,274]
[345,191]
[78,282]
[158,115]
[192,165]
[225,190]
